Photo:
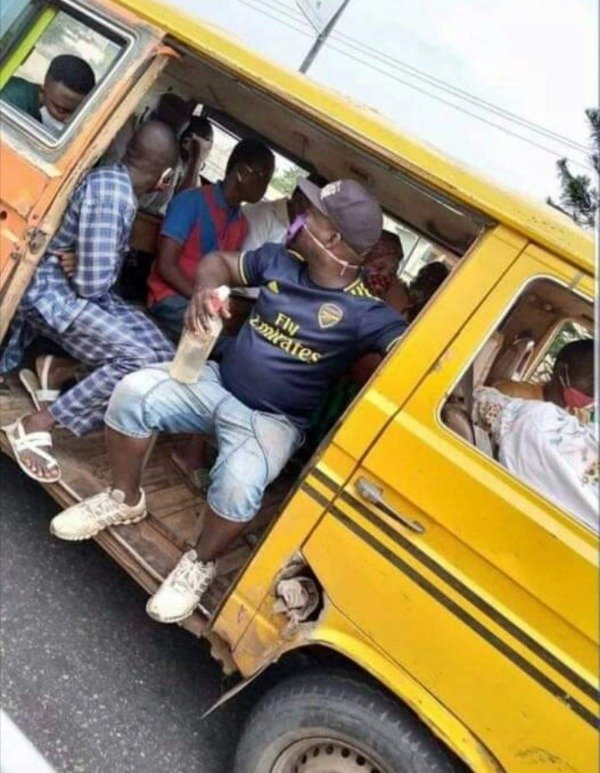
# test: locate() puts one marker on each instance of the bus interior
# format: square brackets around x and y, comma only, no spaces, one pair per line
[431,227]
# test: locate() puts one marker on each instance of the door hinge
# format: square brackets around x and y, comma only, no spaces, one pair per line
[36,239]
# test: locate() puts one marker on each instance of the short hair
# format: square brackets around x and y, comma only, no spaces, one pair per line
[433,273]
[73,72]
[200,125]
[576,351]
[317,179]
[387,246]
[250,152]
[172,110]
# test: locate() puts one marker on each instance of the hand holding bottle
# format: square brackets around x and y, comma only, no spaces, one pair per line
[202,309]
[202,328]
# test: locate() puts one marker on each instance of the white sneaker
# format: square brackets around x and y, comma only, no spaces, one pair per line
[86,519]
[180,593]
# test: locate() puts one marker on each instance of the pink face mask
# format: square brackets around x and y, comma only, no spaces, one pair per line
[343,263]
[575,399]
[572,397]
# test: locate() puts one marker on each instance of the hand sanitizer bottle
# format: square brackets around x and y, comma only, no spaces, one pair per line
[194,349]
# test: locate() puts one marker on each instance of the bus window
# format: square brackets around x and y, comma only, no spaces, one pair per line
[51,63]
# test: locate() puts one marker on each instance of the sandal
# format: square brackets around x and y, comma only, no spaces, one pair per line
[33,441]
[37,388]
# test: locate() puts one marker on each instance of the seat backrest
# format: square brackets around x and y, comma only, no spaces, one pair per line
[456,417]
[511,363]
[485,359]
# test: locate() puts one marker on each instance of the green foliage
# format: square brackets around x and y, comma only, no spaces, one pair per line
[286,182]
[579,198]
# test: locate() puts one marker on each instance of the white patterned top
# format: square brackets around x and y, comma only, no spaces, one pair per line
[546,447]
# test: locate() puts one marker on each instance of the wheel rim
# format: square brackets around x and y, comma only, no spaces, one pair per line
[326,754]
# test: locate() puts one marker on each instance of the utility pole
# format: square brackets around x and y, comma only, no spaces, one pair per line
[322,36]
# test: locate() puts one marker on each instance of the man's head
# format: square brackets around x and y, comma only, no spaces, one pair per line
[152,151]
[68,81]
[343,223]
[574,372]
[173,111]
[424,285]
[382,263]
[250,168]
[199,130]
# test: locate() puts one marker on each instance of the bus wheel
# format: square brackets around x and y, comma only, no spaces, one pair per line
[326,721]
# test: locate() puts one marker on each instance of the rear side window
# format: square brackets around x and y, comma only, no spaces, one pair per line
[512,404]
[53,60]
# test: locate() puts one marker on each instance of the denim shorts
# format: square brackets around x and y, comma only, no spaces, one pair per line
[253,446]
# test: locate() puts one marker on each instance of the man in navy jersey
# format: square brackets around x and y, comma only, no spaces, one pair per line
[313,317]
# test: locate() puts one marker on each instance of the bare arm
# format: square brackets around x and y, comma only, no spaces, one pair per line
[190,178]
[215,269]
[168,266]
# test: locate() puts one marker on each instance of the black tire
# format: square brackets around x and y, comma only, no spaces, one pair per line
[330,712]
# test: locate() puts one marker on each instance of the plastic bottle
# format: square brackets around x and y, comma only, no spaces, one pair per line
[194,349]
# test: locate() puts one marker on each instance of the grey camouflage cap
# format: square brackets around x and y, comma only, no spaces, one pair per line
[352,209]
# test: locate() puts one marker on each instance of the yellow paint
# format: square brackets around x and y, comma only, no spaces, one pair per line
[476,621]
[25,46]
[540,223]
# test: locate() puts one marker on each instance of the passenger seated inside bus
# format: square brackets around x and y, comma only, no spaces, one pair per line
[429,228]
[195,143]
[170,109]
[550,443]
[83,314]
[68,80]
[407,299]
[527,400]
[199,221]
[303,333]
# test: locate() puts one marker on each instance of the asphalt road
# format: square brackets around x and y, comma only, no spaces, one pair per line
[87,676]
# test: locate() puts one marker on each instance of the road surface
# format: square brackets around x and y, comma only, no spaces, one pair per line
[86,675]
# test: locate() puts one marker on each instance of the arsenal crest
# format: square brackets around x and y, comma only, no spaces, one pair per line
[329,315]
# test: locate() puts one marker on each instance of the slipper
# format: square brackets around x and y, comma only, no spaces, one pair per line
[44,394]
[37,388]
[33,441]
[197,479]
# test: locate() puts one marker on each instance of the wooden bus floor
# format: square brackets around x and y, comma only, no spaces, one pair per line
[148,550]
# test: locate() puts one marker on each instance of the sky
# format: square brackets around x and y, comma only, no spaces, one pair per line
[537,59]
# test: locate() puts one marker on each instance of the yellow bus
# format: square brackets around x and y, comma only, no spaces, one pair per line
[452,611]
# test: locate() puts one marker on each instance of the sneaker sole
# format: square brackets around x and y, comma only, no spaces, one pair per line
[178,619]
[92,532]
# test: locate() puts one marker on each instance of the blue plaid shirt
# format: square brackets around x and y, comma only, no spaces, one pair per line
[96,226]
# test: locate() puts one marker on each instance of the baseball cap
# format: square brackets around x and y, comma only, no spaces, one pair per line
[353,210]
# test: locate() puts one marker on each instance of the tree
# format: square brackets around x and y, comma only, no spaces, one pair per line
[286,182]
[579,198]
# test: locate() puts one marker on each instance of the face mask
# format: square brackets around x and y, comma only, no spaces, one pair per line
[294,229]
[377,281]
[205,148]
[50,122]
[165,180]
[574,398]
[343,263]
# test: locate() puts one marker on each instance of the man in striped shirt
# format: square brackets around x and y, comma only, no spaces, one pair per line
[82,313]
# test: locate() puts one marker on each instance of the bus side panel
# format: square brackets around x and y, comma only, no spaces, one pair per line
[398,604]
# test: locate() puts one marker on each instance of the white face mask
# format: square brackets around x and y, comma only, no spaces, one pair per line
[343,263]
[50,122]
[205,148]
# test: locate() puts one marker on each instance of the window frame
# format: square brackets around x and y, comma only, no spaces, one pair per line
[542,348]
[23,124]
[451,386]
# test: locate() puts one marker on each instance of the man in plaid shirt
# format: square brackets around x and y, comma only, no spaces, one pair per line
[82,313]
